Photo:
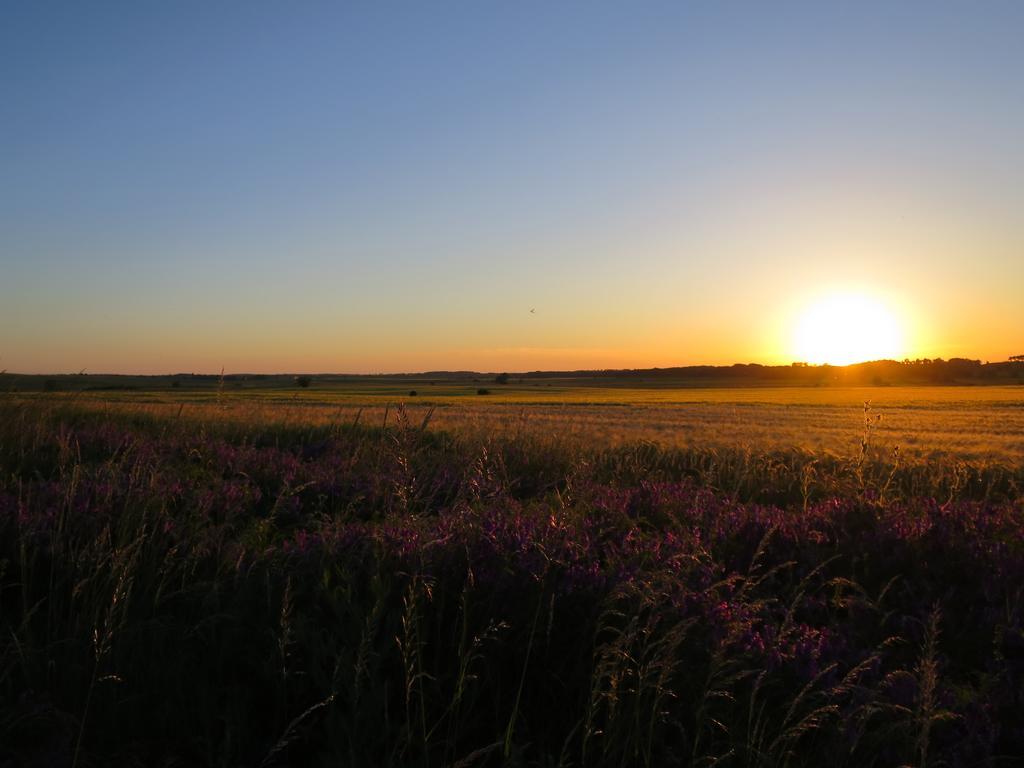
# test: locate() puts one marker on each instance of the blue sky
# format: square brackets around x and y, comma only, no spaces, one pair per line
[387,186]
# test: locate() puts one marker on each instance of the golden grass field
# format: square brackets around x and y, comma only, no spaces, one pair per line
[971,423]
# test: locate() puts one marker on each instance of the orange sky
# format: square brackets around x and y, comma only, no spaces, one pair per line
[371,189]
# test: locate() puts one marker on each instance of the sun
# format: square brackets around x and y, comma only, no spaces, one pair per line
[844,328]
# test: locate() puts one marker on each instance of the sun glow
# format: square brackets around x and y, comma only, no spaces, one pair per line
[840,329]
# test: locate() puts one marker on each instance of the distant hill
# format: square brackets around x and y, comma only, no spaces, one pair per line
[961,371]
[875,373]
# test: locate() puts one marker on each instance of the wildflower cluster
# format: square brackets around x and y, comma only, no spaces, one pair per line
[396,596]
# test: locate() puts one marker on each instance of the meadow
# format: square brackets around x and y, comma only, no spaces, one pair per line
[973,423]
[542,575]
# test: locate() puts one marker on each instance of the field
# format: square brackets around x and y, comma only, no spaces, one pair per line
[974,423]
[552,573]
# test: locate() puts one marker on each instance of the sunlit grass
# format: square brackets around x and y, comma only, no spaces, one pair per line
[970,423]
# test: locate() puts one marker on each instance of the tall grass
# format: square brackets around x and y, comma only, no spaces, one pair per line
[228,593]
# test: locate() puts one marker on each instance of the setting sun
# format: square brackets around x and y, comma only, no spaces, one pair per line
[840,329]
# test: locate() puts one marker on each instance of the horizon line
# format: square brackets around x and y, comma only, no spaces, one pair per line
[461,371]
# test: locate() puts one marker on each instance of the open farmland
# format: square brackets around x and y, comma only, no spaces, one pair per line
[590,576]
[966,422]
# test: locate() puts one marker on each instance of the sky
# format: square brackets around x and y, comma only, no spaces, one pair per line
[384,187]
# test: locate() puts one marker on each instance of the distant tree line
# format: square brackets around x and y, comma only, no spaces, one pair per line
[956,370]
[921,371]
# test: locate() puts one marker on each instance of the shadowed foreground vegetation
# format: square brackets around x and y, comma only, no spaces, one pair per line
[221,592]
